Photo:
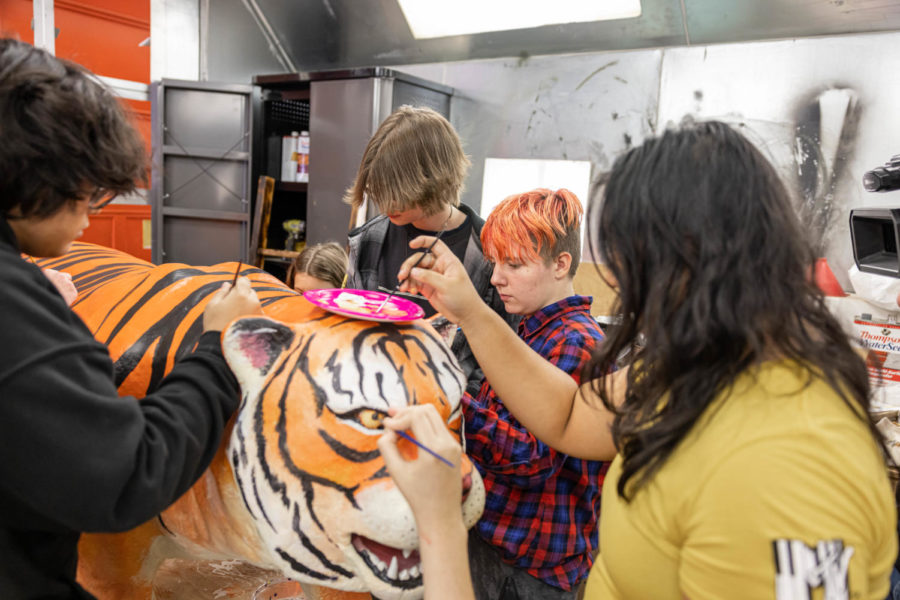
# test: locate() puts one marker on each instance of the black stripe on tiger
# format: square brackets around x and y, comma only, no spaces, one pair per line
[162,332]
[400,337]
[295,525]
[118,303]
[300,568]
[259,500]
[347,452]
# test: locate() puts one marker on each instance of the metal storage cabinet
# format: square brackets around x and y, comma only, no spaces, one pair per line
[345,108]
[200,193]
[212,141]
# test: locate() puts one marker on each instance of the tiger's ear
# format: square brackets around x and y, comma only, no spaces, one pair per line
[252,345]
[445,328]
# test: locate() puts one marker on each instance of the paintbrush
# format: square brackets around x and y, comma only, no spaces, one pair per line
[406,436]
[415,264]
[381,288]
[236,273]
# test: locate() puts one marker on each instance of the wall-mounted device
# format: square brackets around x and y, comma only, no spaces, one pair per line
[874,232]
[883,179]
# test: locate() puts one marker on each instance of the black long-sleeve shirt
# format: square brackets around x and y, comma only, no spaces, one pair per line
[74,456]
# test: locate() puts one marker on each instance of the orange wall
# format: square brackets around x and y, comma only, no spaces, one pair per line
[102,35]
[125,227]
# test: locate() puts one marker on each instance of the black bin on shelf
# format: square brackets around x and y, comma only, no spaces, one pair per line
[874,232]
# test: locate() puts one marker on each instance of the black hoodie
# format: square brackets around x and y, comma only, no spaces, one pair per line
[74,456]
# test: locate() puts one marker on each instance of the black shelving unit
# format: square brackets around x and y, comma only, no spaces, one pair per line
[284,108]
[341,110]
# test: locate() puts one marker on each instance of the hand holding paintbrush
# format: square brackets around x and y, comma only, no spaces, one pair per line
[232,300]
[424,478]
[435,495]
[443,281]
[415,264]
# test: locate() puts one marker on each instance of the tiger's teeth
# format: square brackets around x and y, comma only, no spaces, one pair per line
[376,561]
[392,570]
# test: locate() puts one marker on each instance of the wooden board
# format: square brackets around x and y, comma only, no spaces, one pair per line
[265,190]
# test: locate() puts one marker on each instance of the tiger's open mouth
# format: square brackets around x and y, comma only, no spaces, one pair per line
[397,567]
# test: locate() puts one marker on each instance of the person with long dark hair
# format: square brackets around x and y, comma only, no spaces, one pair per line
[747,465]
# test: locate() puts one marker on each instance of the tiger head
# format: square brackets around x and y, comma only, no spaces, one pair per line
[303,449]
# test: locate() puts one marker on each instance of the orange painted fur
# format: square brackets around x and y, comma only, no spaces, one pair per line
[298,486]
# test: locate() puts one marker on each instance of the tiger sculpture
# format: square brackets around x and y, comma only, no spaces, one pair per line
[298,486]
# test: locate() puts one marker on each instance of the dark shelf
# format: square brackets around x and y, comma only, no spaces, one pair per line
[291,186]
[278,259]
[287,255]
[283,108]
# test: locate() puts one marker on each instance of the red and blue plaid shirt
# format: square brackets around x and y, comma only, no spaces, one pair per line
[542,506]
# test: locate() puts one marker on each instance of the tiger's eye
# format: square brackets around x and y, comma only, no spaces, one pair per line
[371,419]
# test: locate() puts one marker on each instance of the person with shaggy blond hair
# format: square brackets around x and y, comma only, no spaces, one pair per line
[412,171]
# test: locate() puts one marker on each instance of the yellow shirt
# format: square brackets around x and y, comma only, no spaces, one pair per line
[777,492]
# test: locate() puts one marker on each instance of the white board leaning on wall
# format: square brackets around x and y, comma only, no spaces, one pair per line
[506,176]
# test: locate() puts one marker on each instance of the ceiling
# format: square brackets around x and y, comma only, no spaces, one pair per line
[319,34]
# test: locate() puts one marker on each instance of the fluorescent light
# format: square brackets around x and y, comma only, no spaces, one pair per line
[433,18]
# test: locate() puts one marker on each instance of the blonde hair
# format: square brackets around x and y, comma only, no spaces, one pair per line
[414,160]
[327,262]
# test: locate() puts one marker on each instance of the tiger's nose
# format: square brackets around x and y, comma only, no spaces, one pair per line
[466,485]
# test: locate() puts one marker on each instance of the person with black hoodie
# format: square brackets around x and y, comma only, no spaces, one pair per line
[75,457]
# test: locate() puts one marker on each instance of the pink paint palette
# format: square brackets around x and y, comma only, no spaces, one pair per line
[363,304]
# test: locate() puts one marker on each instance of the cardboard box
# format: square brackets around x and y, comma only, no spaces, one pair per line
[876,331]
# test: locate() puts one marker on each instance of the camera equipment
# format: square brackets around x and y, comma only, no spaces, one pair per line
[875,232]
[884,179]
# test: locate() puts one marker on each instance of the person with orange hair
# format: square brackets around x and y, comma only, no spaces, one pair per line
[539,529]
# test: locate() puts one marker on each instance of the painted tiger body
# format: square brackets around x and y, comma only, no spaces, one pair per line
[298,486]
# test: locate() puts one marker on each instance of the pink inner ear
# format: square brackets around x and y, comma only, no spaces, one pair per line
[255,348]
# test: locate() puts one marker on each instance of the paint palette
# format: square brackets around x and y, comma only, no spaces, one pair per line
[363,304]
